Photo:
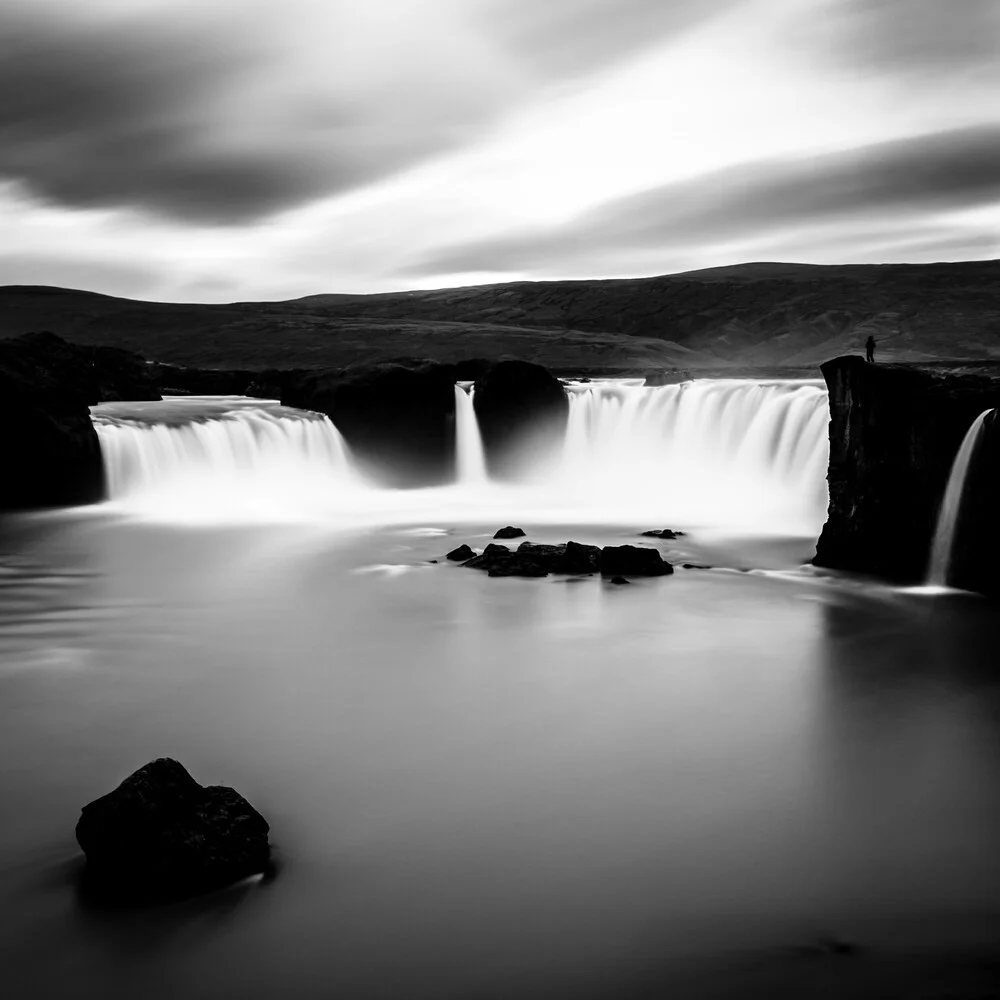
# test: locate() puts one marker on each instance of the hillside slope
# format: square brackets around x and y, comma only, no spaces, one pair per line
[762,314]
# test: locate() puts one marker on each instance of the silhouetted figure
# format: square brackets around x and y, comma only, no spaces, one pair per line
[870,349]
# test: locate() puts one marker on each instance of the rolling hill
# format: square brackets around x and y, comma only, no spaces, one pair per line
[759,315]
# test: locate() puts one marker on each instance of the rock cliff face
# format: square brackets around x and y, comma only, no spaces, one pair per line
[49,452]
[521,407]
[398,418]
[894,433]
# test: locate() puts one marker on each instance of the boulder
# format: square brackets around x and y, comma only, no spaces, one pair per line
[667,533]
[161,834]
[509,532]
[522,410]
[633,560]
[460,554]
[571,557]
[619,581]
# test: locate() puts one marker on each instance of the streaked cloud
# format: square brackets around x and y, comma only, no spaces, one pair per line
[947,171]
[221,149]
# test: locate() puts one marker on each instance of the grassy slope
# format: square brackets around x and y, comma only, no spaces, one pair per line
[746,315]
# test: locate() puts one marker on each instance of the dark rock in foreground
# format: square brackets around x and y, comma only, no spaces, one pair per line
[460,554]
[662,533]
[160,834]
[633,560]
[509,532]
[521,408]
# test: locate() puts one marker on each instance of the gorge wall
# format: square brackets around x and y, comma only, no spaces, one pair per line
[894,432]
[49,451]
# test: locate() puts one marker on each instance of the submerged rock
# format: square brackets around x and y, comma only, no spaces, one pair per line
[619,580]
[161,834]
[662,533]
[460,554]
[510,532]
[633,560]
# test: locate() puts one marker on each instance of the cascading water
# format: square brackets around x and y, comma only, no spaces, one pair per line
[228,454]
[729,454]
[722,452]
[939,569]
[470,460]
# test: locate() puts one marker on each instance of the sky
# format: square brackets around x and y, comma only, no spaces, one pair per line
[224,150]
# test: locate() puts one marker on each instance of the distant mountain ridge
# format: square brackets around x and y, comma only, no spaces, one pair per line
[747,315]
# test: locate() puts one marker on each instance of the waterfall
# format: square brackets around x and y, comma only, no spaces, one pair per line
[728,451]
[734,454]
[944,536]
[470,460]
[228,453]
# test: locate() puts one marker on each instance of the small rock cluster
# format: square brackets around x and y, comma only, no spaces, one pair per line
[533,559]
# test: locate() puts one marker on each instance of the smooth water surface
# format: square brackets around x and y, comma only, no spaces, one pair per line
[485,788]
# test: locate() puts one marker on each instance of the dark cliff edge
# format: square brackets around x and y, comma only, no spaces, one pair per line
[521,408]
[894,434]
[398,417]
[49,452]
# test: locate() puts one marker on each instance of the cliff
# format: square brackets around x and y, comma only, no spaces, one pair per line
[894,433]
[49,452]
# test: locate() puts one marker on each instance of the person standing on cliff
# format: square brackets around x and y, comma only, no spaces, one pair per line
[870,349]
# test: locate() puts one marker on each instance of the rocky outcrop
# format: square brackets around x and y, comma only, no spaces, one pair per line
[569,558]
[161,834]
[522,410]
[49,452]
[894,433]
[633,560]
[397,417]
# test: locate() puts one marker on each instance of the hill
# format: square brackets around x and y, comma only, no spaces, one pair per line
[749,315]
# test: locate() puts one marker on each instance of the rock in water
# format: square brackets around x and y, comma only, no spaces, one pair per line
[509,532]
[517,565]
[161,834]
[633,560]
[619,581]
[460,554]
[667,533]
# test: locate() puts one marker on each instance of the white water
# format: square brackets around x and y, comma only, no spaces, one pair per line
[731,454]
[939,568]
[230,455]
[728,451]
[470,460]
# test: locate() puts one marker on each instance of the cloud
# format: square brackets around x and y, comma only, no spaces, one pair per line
[921,38]
[223,113]
[941,172]
[562,38]
[75,272]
